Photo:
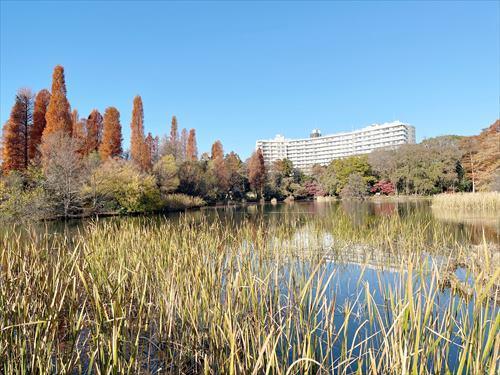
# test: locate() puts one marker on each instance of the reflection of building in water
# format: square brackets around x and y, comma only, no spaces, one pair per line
[305,242]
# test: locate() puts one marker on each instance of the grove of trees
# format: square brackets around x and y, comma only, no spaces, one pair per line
[55,163]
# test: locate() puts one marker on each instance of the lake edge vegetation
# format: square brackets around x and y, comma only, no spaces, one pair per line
[198,297]
[56,164]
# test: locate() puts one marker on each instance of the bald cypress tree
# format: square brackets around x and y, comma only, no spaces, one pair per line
[111,145]
[192,148]
[217,150]
[16,133]
[174,148]
[257,171]
[58,115]
[183,144]
[40,109]
[94,132]
[137,132]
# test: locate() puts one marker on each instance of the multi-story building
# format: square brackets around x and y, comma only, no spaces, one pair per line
[318,149]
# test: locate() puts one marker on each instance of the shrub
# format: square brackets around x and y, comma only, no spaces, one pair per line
[176,202]
[123,181]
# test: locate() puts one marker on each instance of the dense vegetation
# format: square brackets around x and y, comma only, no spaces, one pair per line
[56,164]
[200,295]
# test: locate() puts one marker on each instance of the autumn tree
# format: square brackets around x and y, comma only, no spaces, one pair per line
[111,145]
[79,132]
[173,144]
[58,115]
[147,155]
[257,171]
[217,150]
[40,109]
[94,127]
[183,144]
[236,179]
[15,147]
[140,153]
[192,148]
[481,157]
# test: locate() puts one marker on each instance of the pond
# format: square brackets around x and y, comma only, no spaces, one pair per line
[315,287]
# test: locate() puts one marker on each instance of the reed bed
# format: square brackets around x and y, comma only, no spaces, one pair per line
[199,296]
[482,202]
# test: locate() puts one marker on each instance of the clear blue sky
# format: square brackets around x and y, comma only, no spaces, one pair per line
[240,71]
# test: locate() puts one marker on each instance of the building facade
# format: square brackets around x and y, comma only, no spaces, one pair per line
[318,149]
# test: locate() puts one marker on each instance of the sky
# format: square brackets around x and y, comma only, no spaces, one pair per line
[241,71]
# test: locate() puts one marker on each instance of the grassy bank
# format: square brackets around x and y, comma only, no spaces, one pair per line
[471,202]
[142,296]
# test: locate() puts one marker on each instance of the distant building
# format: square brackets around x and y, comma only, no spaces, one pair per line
[318,149]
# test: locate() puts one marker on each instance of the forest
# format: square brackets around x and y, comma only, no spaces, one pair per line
[58,164]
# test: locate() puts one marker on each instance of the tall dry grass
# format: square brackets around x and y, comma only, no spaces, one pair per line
[471,202]
[145,296]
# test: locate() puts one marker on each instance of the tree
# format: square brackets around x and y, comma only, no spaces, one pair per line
[191,148]
[58,115]
[217,150]
[183,145]
[40,109]
[338,171]
[94,127]
[16,132]
[139,151]
[481,157]
[355,188]
[111,145]
[257,171]
[64,173]
[236,180]
[173,145]
[165,171]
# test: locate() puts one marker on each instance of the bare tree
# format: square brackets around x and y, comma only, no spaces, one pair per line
[64,172]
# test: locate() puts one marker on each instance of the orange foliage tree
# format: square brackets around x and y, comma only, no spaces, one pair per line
[58,115]
[217,150]
[192,148]
[15,145]
[94,132]
[41,103]
[111,145]
[137,132]
[257,171]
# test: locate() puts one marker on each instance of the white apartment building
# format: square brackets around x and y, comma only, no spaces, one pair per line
[318,149]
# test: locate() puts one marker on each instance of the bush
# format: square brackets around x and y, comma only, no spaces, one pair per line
[131,189]
[176,202]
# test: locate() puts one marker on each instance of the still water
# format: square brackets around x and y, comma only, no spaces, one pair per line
[354,271]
